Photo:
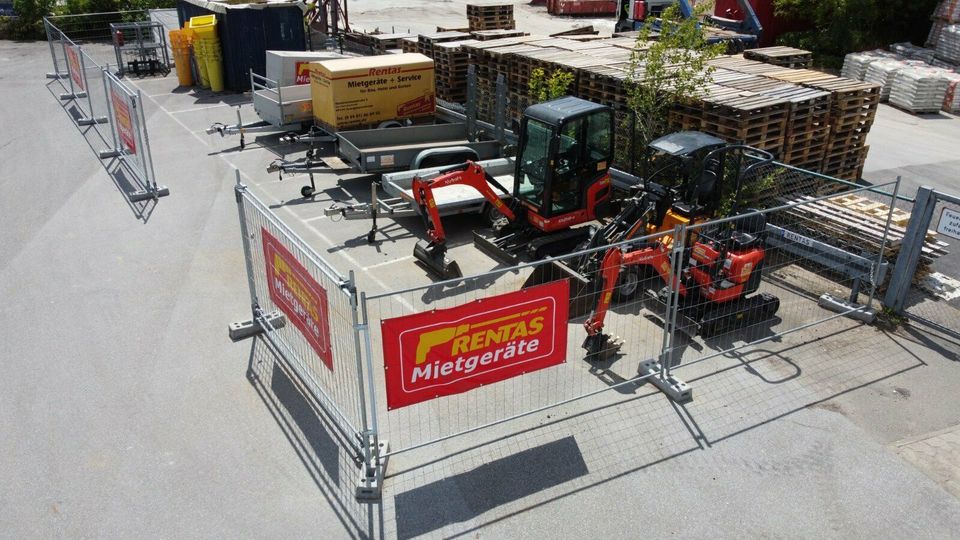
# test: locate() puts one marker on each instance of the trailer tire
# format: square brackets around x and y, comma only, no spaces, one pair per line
[306,191]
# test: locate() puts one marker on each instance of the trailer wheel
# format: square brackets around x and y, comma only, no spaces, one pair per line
[306,191]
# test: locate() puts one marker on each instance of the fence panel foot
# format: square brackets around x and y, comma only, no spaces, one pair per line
[673,387]
[76,95]
[246,329]
[839,305]
[370,485]
[92,121]
[145,194]
[52,75]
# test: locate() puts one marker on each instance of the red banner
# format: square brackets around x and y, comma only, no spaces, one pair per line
[298,295]
[449,351]
[73,64]
[303,72]
[123,121]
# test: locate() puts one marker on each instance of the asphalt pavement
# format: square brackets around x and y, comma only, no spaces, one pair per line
[126,411]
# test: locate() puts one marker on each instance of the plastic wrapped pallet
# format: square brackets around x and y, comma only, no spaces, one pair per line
[948,10]
[919,90]
[855,64]
[951,101]
[883,70]
[911,51]
[948,46]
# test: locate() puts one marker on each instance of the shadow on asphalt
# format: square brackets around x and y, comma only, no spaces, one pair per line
[328,453]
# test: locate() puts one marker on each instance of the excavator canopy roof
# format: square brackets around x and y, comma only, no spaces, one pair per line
[684,143]
[557,111]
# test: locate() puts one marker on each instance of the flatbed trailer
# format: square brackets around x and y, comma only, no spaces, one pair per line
[398,148]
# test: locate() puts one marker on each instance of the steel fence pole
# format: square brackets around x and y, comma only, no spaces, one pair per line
[357,328]
[73,93]
[911,247]
[239,191]
[111,118]
[47,25]
[883,244]
[376,459]
[670,311]
[148,152]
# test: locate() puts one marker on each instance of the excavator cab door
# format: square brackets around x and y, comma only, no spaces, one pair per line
[566,146]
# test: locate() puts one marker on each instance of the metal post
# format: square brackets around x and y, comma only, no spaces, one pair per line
[883,244]
[500,113]
[239,190]
[472,102]
[56,74]
[357,328]
[669,315]
[676,259]
[148,153]
[375,463]
[111,118]
[73,93]
[910,250]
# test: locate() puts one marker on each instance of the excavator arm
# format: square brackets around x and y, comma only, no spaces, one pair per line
[433,254]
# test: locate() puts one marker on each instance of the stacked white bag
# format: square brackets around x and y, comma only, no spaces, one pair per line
[918,89]
[855,64]
[948,46]
[882,71]
[951,100]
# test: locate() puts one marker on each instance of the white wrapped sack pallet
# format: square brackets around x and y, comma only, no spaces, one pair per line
[919,90]
[855,64]
[951,100]
[911,51]
[948,46]
[882,71]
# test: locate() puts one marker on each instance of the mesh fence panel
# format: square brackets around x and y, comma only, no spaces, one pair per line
[935,293]
[335,383]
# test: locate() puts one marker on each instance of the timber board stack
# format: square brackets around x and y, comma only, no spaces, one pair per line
[490,16]
[855,222]
[788,57]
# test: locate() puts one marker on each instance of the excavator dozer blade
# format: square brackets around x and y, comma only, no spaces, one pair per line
[493,250]
[435,260]
[582,300]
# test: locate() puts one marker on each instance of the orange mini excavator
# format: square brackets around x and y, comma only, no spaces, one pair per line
[561,180]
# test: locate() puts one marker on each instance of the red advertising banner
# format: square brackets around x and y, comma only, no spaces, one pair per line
[73,64]
[303,72]
[449,351]
[298,295]
[123,120]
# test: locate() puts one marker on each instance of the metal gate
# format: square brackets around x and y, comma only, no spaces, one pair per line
[925,286]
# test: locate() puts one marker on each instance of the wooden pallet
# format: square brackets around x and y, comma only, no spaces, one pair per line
[781,56]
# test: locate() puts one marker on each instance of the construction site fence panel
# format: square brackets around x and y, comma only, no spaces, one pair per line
[655,325]
[925,285]
[308,315]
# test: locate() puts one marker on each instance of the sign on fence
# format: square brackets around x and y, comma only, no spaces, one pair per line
[449,351]
[122,118]
[74,66]
[949,223]
[298,295]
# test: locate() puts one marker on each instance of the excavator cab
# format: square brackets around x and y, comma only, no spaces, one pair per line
[562,163]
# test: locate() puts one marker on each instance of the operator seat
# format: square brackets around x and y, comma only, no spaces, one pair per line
[748,231]
[701,190]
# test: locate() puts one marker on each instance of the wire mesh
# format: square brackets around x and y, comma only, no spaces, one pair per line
[333,379]
[599,379]
[934,296]
[756,276]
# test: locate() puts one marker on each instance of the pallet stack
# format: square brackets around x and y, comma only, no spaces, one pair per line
[425,42]
[781,56]
[451,62]
[490,17]
[853,109]
[852,221]
[484,35]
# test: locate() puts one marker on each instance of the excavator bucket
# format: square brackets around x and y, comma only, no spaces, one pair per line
[434,258]
[582,297]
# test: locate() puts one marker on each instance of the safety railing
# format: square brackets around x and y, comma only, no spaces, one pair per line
[438,361]
[103,101]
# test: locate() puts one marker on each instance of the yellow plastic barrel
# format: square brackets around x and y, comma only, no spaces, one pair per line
[181,57]
[204,26]
[199,47]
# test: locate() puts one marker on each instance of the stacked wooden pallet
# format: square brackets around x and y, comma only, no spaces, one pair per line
[781,56]
[858,223]
[409,45]
[451,63]
[490,16]
[484,35]
[425,42]
[853,108]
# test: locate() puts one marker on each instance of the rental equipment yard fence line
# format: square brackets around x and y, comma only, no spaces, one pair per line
[102,101]
[350,346]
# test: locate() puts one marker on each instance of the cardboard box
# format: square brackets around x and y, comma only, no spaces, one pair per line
[293,67]
[364,91]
